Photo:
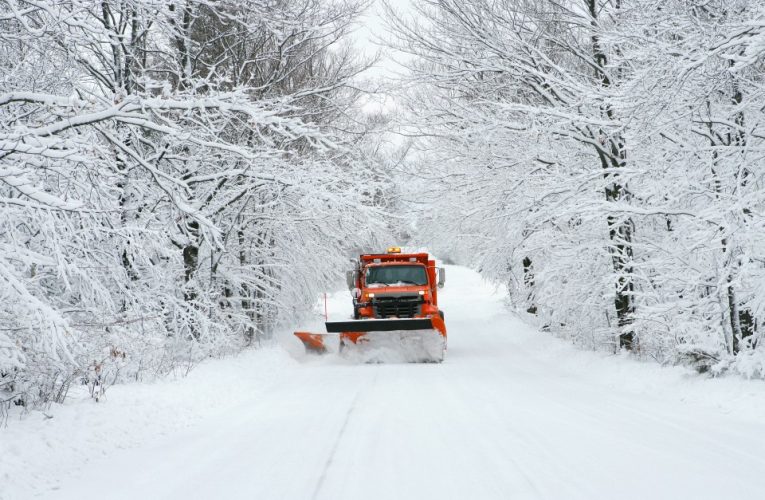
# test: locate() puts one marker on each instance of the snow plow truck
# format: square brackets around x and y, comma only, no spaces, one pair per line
[395,311]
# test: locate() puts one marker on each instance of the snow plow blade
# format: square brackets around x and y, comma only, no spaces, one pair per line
[379,325]
[381,340]
[313,342]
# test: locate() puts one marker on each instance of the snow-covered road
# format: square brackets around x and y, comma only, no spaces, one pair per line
[510,414]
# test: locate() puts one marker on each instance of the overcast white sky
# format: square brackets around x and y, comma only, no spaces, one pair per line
[372,27]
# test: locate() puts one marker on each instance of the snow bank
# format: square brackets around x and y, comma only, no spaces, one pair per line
[40,449]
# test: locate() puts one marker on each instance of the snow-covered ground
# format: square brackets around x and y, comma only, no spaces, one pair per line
[511,413]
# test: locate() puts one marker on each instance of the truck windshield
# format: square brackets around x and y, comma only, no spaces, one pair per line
[396,275]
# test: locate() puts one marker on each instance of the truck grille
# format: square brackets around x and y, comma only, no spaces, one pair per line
[398,307]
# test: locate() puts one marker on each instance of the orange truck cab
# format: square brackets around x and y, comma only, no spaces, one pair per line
[395,285]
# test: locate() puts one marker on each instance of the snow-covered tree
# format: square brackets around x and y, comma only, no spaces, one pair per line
[602,158]
[176,178]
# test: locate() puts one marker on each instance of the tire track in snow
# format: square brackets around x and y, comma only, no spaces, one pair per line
[338,439]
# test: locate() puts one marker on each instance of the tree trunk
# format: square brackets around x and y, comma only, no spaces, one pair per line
[528,280]
[249,332]
[191,260]
[613,156]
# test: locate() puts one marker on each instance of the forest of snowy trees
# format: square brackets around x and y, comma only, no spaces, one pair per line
[605,160]
[180,178]
[176,179]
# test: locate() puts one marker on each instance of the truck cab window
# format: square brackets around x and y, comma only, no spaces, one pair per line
[397,275]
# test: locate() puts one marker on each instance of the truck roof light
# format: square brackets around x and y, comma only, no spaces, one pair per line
[394,249]
[377,261]
[412,259]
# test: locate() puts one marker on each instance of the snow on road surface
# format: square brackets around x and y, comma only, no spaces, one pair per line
[511,414]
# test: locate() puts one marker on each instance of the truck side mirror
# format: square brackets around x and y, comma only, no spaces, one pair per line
[441,277]
[350,278]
